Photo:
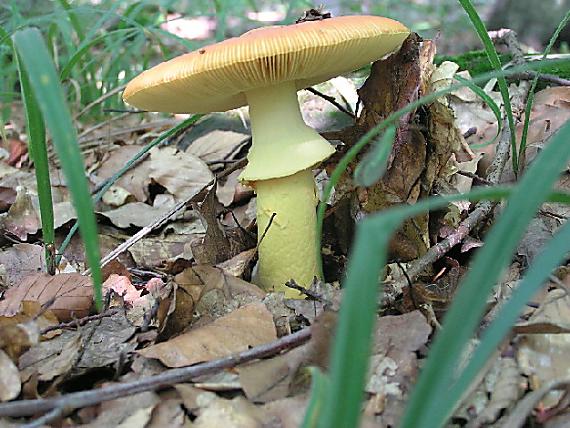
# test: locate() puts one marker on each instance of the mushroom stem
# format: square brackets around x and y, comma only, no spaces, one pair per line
[284,151]
[287,251]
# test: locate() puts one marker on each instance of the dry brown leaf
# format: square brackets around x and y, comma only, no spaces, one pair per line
[72,295]
[8,197]
[21,260]
[20,332]
[271,379]
[231,191]
[544,357]
[285,413]
[193,397]
[182,174]
[22,219]
[10,385]
[394,365]
[168,413]
[108,341]
[115,412]
[63,212]
[138,213]
[217,145]
[504,390]
[247,326]
[136,180]
[51,358]
[236,413]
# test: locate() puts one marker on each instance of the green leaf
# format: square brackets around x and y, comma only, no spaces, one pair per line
[47,90]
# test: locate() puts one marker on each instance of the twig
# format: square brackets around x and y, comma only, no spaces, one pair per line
[548,78]
[475,177]
[165,217]
[50,416]
[99,100]
[170,377]
[331,100]
[81,321]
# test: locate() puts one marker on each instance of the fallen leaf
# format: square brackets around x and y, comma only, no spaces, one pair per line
[123,286]
[136,180]
[10,385]
[108,342]
[8,197]
[247,326]
[236,413]
[182,174]
[72,294]
[138,213]
[544,357]
[51,358]
[22,219]
[21,260]
[217,145]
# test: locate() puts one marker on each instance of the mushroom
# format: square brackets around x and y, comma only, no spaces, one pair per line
[264,68]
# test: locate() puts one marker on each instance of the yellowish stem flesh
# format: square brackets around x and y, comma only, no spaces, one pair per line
[287,251]
[283,152]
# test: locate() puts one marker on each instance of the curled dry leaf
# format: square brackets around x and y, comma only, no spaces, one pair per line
[71,293]
[22,219]
[248,326]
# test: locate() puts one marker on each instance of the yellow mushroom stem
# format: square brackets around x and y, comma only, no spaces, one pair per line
[287,251]
[283,152]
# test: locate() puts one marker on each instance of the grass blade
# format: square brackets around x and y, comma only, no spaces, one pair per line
[373,165]
[426,408]
[38,153]
[552,255]
[490,102]
[532,89]
[496,64]
[47,90]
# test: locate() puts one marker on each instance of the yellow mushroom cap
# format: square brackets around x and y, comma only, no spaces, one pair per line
[216,77]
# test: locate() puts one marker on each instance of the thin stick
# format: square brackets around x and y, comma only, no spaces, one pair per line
[331,100]
[170,377]
[165,217]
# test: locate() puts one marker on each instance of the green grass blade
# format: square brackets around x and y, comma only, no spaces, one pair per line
[85,46]
[552,255]
[319,386]
[426,409]
[353,337]
[496,63]
[47,90]
[490,102]
[530,99]
[38,153]
[373,165]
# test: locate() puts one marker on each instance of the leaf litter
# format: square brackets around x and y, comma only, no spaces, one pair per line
[182,295]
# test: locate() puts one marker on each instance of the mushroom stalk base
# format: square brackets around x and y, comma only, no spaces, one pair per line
[287,251]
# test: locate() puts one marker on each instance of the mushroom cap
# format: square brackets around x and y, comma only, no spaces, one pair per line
[216,77]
